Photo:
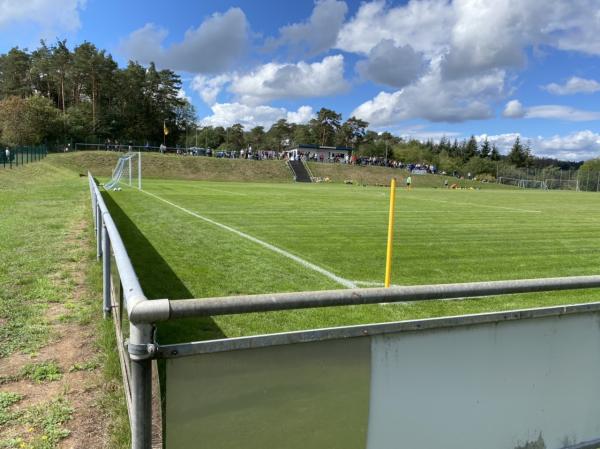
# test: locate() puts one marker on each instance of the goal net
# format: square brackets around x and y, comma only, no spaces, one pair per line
[128,170]
[523,183]
[563,184]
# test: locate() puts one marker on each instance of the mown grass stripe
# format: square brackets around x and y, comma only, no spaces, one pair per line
[340,280]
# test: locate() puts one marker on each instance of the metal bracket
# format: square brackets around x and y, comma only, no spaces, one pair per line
[141,351]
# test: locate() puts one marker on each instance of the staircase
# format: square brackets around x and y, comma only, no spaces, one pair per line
[300,172]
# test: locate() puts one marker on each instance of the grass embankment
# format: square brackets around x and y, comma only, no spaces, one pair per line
[51,345]
[172,166]
[372,175]
[442,236]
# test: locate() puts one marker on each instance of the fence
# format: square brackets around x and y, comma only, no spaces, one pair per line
[21,156]
[445,382]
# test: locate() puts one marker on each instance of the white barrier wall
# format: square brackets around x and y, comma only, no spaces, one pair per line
[522,384]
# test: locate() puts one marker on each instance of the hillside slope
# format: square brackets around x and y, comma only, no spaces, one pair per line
[171,166]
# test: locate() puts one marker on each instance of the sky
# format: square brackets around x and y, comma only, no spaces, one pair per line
[419,69]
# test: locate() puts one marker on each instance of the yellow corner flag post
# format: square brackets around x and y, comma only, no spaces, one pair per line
[390,239]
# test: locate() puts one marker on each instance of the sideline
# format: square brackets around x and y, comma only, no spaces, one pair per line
[340,280]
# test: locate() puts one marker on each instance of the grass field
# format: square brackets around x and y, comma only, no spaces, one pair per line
[442,236]
[52,390]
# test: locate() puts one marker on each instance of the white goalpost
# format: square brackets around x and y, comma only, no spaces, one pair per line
[523,183]
[563,184]
[129,166]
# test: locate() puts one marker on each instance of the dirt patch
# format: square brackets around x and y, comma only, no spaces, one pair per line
[73,350]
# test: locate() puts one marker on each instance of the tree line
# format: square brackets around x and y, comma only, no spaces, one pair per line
[54,95]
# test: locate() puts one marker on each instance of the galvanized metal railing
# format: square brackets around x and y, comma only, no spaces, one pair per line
[143,314]
[136,362]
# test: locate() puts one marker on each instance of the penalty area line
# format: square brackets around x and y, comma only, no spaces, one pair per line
[340,280]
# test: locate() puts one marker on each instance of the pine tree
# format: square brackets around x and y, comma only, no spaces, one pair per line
[518,154]
[494,154]
[485,148]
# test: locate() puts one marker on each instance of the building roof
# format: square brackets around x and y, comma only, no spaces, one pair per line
[322,147]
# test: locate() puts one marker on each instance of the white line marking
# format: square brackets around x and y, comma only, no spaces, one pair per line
[369,283]
[221,191]
[474,204]
[345,282]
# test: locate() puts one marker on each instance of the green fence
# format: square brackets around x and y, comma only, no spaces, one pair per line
[14,157]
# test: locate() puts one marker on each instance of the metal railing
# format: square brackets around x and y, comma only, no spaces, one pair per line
[136,362]
[123,293]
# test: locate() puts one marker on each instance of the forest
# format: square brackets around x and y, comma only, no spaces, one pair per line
[55,95]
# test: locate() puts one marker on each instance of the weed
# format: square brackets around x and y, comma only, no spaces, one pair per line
[41,372]
[89,365]
[6,400]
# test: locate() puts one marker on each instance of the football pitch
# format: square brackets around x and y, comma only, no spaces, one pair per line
[192,239]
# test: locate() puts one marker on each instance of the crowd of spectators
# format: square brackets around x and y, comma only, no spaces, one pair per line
[307,156]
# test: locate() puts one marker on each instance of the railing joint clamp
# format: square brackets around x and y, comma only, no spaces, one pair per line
[141,351]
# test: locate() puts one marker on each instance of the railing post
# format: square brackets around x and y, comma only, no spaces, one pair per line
[98,233]
[140,337]
[106,271]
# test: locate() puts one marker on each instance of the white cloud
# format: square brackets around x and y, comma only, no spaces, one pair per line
[514,109]
[435,99]
[561,113]
[475,35]
[319,33]
[493,34]
[577,146]
[212,47]
[302,115]
[274,81]
[422,24]
[210,88]
[228,114]
[574,85]
[181,93]
[391,65]
[575,25]
[52,15]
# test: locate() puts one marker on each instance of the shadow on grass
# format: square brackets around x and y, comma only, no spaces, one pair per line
[158,280]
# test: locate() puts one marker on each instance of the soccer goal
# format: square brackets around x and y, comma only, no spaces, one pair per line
[128,168]
[523,183]
[532,184]
[563,184]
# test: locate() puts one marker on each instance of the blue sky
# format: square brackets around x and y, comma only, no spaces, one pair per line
[422,68]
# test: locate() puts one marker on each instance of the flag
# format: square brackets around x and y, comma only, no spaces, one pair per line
[165,129]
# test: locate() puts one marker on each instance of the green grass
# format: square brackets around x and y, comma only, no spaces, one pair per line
[42,372]
[40,204]
[442,236]
[374,175]
[43,424]
[7,399]
[101,163]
